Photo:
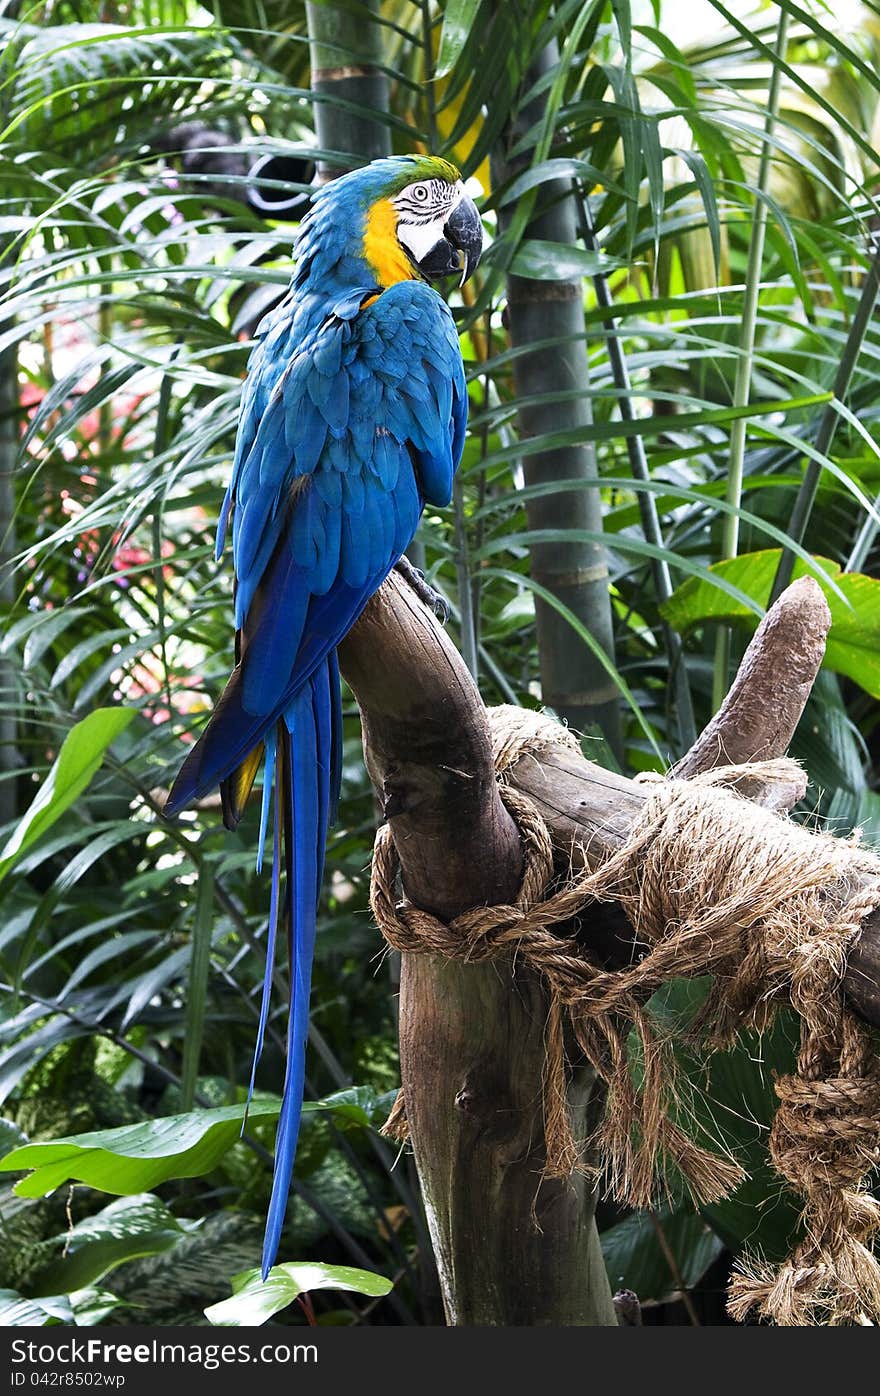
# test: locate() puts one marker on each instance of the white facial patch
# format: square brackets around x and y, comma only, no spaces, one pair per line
[419,238]
[419,235]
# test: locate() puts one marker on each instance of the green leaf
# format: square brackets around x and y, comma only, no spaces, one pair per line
[361,1105]
[82,1307]
[635,1259]
[539,260]
[135,1158]
[458,20]
[728,1104]
[76,763]
[124,1230]
[557,168]
[254,1301]
[738,1106]
[18,1312]
[853,646]
[91,1306]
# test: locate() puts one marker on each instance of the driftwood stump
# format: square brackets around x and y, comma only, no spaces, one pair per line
[513,1248]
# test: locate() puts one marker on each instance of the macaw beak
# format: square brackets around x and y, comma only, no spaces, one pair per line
[458,250]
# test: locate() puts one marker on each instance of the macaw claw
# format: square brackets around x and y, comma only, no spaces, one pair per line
[436,604]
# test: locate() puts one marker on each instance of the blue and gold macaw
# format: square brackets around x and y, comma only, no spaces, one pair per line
[352,418]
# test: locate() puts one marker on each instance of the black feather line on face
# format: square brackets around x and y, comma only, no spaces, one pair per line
[420,211]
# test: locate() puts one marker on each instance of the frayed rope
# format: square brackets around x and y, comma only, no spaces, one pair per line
[713,885]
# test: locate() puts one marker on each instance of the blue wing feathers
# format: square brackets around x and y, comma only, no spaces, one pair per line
[354,558]
[328,484]
[350,421]
[386,460]
[266,666]
[327,568]
[353,491]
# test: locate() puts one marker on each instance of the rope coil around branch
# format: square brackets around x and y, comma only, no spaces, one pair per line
[713,885]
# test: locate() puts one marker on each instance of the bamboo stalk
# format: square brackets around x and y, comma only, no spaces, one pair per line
[572,680]
[638,463]
[346,56]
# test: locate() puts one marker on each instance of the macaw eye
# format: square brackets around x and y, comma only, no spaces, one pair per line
[420,192]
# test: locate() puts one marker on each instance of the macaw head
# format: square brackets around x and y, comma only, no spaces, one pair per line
[436,223]
[411,216]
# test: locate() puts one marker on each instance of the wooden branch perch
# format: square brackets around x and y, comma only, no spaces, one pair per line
[472,1036]
[758,717]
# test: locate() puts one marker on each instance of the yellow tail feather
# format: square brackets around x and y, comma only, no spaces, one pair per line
[234,791]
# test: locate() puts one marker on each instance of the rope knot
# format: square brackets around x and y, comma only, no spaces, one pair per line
[826,1131]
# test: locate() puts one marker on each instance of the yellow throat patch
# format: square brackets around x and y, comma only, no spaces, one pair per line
[382,250]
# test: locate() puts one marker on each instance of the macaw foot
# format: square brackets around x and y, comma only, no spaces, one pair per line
[423,590]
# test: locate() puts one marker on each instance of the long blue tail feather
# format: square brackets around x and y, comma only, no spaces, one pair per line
[275,903]
[268,778]
[307,782]
[335,734]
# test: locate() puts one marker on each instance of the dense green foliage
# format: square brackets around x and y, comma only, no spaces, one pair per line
[131,276]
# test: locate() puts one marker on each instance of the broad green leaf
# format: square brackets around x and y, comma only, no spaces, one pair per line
[557,261]
[92,1306]
[134,1158]
[515,613]
[635,1260]
[254,1301]
[124,1230]
[853,646]
[361,1105]
[82,1307]
[728,1103]
[76,763]
[458,20]
[18,1312]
